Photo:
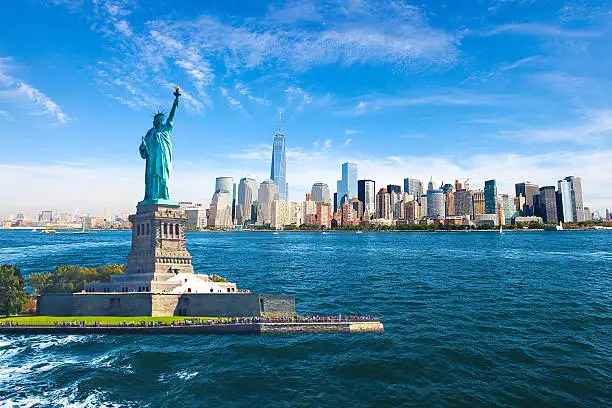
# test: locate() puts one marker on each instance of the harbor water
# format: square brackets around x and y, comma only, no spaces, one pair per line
[522,319]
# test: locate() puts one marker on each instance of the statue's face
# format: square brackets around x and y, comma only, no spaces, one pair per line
[158,121]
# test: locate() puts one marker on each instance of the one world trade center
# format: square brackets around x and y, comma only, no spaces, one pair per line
[278,171]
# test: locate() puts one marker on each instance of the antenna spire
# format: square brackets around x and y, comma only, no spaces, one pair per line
[280,121]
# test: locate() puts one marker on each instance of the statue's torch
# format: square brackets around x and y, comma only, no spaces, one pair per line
[177,92]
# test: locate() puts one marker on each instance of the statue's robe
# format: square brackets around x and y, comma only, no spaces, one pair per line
[156,148]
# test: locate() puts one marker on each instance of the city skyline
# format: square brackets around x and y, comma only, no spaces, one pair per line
[72,106]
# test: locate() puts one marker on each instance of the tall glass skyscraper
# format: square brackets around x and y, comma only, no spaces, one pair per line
[565,201]
[527,190]
[366,193]
[278,170]
[348,185]
[572,203]
[548,204]
[224,184]
[435,204]
[490,196]
[247,196]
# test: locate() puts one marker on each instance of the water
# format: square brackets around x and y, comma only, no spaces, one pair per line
[522,319]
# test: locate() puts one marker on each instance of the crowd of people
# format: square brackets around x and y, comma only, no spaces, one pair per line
[204,321]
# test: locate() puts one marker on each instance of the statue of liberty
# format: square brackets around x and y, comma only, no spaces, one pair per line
[156,149]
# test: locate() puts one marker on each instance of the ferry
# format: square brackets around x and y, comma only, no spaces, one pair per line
[48,231]
[555,227]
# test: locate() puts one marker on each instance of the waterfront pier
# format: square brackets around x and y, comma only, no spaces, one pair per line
[248,326]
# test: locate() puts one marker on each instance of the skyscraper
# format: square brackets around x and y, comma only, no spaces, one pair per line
[490,196]
[435,203]
[278,171]
[268,192]
[395,200]
[430,185]
[548,204]
[220,213]
[348,185]
[320,193]
[423,203]
[224,184]
[464,203]
[383,204]
[247,195]
[413,187]
[395,188]
[527,190]
[508,211]
[564,201]
[366,193]
[575,185]
[479,202]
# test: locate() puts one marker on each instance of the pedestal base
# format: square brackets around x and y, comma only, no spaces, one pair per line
[158,241]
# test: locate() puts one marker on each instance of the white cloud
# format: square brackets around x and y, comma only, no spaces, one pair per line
[17,92]
[298,96]
[244,90]
[383,32]
[234,103]
[375,103]
[349,132]
[348,141]
[293,12]
[594,128]
[542,30]
[499,70]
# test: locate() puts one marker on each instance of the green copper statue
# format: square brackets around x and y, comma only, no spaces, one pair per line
[156,149]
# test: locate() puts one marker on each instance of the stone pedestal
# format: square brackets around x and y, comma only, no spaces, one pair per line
[158,261]
[158,241]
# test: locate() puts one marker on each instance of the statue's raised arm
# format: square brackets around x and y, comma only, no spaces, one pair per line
[177,93]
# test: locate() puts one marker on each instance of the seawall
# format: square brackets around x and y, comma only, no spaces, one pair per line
[243,328]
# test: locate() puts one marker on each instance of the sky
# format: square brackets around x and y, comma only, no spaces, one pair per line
[515,90]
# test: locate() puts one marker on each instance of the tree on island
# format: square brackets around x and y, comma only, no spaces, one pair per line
[13,296]
[71,278]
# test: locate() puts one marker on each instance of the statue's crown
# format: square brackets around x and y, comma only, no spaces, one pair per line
[158,114]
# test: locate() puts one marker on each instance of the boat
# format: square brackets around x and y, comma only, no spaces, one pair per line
[275,233]
[555,227]
[501,229]
[82,231]
[359,232]
[48,231]
[324,233]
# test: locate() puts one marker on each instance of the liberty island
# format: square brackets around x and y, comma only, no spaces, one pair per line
[159,278]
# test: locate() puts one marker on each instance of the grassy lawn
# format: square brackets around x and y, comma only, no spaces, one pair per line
[104,320]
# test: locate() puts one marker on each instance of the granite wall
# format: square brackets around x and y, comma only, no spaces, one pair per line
[158,304]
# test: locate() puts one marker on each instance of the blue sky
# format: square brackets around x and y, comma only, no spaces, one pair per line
[512,90]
